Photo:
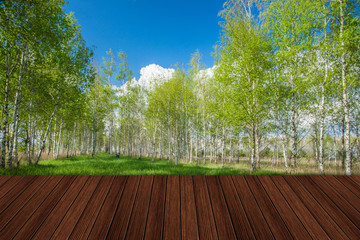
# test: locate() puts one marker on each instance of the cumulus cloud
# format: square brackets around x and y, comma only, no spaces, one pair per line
[154,74]
[207,73]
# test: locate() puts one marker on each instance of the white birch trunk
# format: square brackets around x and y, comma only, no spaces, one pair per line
[345,96]
[48,128]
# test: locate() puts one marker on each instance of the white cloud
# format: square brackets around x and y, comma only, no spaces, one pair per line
[154,74]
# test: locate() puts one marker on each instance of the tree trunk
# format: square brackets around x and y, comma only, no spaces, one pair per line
[68,144]
[74,137]
[343,144]
[48,127]
[6,119]
[119,147]
[223,147]
[13,142]
[294,131]
[191,149]
[204,140]
[257,148]
[59,141]
[94,130]
[169,143]
[284,144]
[322,117]
[231,147]
[345,96]
[253,137]
[316,142]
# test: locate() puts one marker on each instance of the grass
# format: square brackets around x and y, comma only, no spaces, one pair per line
[106,164]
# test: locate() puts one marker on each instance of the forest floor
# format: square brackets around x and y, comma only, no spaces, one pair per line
[106,164]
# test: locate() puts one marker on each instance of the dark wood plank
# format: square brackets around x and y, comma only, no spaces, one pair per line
[8,213]
[305,216]
[291,220]
[272,217]
[8,185]
[172,221]
[106,214]
[33,223]
[189,225]
[284,207]
[206,222]
[48,227]
[137,222]
[237,213]
[349,184]
[331,209]
[81,229]
[54,184]
[342,191]
[121,219]
[336,198]
[155,218]
[259,225]
[69,221]
[316,209]
[14,192]
[356,179]
[4,179]
[225,228]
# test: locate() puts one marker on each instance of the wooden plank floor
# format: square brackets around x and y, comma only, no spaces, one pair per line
[179,207]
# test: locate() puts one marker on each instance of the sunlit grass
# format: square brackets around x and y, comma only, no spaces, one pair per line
[106,164]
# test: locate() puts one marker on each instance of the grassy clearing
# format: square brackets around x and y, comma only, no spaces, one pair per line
[106,164]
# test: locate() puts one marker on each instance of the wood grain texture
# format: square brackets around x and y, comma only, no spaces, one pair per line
[7,214]
[304,215]
[179,207]
[222,217]
[316,209]
[77,208]
[14,192]
[172,220]
[31,207]
[342,191]
[106,214]
[9,184]
[259,225]
[48,226]
[271,215]
[155,217]
[330,207]
[349,184]
[337,199]
[139,214]
[88,216]
[4,179]
[122,215]
[206,222]
[45,208]
[189,225]
[287,214]
[238,216]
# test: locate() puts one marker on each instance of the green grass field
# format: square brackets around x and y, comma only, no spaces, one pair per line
[106,164]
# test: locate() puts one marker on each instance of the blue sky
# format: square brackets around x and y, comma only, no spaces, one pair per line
[150,31]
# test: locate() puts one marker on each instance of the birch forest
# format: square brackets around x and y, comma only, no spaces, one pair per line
[284,90]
